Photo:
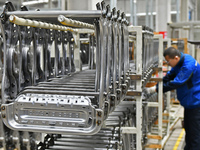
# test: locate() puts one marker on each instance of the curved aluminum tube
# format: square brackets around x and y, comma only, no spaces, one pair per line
[109,49]
[102,24]
[97,79]
[4,76]
[115,57]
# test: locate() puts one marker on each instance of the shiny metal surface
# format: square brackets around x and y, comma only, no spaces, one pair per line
[48,104]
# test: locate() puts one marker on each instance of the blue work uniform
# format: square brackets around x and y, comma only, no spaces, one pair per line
[185,78]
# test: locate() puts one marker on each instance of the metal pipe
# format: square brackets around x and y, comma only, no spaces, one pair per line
[26,22]
[4,61]
[147,13]
[135,12]
[195,10]
[55,14]
[50,4]
[63,5]
[131,12]
[69,22]
[113,3]
[151,16]
[59,4]
[178,11]
[35,2]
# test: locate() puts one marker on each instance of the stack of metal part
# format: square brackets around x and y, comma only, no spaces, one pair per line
[105,139]
[42,91]
[50,102]
[149,54]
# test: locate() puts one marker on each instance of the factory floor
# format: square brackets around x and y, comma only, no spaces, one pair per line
[175,140]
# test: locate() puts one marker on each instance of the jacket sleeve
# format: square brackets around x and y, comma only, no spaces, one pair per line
[169,76]
[182,77]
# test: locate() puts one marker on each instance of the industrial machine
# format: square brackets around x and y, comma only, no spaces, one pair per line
[49,101]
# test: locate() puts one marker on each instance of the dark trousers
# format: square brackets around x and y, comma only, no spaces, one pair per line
[192,129]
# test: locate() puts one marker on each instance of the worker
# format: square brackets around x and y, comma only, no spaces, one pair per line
[184,76]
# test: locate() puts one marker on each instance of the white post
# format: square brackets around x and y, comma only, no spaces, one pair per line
[178,10]
[135,11]
[151,16]
[63,5]
[163,16]
[138,30]
[160,86]
[168,40]
[131,12]
[113,3]
[92,4]
[147,13]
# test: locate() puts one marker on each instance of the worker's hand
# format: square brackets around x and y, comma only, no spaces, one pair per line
[150,90]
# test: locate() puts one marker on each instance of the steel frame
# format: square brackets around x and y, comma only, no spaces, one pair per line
[83,95]
[168,41]
[138,129]
[159,104]
[140,83]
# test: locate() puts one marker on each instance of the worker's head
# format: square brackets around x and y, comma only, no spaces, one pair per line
[172,56]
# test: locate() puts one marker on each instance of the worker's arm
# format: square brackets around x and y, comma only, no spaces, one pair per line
[182,77]
[169,76]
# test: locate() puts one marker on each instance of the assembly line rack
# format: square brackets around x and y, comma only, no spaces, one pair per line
[137,94]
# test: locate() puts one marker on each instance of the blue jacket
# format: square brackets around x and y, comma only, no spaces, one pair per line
[185,77]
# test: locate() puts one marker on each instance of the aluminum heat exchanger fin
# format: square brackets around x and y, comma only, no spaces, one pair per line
[53,113]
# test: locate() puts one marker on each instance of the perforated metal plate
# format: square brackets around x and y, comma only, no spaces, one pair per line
[52,114]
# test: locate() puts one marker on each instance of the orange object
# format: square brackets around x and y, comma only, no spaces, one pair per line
[151,84]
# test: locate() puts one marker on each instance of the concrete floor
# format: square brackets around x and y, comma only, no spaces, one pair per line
[176,140]
[177,137]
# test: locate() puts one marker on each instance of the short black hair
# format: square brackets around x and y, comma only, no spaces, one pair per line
[172,52]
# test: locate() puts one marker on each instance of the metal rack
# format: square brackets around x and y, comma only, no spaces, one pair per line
[159,104]
[50,102]
[138,89]
[142,76]
[50,93]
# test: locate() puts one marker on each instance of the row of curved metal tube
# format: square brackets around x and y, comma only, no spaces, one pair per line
[47,104]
